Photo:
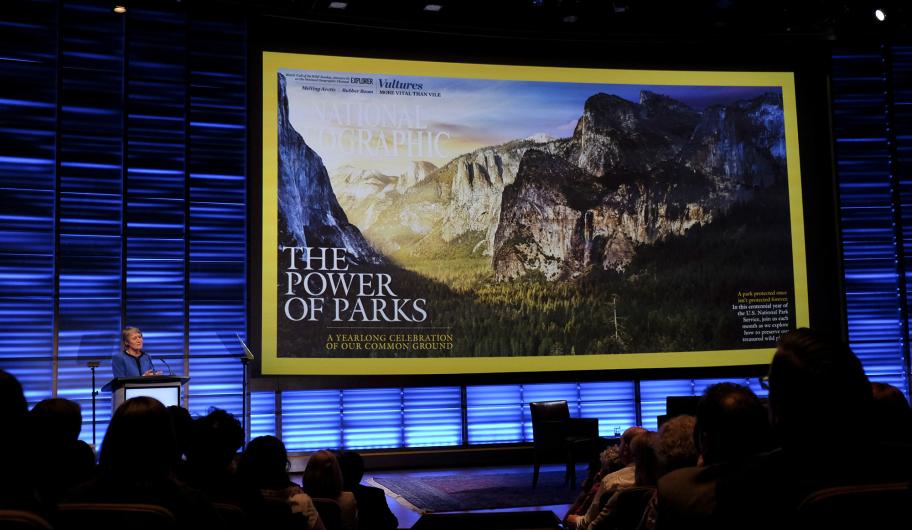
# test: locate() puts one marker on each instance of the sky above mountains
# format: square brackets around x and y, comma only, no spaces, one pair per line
[437,119]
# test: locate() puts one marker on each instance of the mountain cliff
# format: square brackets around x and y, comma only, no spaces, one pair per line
[632,175]
[417,172]
[309,214]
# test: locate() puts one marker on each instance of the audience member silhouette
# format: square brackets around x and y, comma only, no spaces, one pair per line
[323,479]
[731,425]
[17,490]
[612,482]
[675,449]
[211,452]
[64,460]
[183,426]
[373,511]
[891,414]
[263,469]
[609,461]
[624,510]
[818,395]
[137,463]
[675,445]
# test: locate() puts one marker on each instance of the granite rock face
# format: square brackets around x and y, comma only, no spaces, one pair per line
[417,172]
[309,214]
[631,175]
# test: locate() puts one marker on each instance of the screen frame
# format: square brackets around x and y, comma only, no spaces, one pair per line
[806,59]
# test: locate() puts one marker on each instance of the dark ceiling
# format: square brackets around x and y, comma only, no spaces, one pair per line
[599,19]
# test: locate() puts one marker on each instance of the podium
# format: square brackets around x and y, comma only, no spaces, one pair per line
[165,388]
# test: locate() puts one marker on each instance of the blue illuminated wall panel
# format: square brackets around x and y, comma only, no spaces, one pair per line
[653,394]
[901,138]
[263,414]
[501,414]
[494,414]
[372,418]
[90,202]
[311,419]
[216,189]
[123,185]
[431,416]
[155,210]
[613,403]
[864,106]
[28,145]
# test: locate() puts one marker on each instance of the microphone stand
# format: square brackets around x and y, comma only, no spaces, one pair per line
[244,398]
[92,366]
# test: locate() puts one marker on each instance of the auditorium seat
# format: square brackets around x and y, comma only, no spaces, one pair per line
[110,516]
[858,506]
[21,520]
[330,513]
[232,516]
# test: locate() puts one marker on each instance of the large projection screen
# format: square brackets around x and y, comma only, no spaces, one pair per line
[450,218]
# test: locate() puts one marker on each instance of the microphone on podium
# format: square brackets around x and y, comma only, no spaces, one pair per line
[162,359]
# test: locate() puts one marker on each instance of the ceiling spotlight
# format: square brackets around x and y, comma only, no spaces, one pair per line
[338,5]
[880,15]
[120,10]
[433,8]
[570,19]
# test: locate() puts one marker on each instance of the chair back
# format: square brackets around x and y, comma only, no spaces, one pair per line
[857,506]
[630,507]
[233,517]
[111,516]
[549,420]
[276,514]
[330,513]
[22,520]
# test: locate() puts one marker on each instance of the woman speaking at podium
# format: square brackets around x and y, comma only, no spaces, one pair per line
[132,361]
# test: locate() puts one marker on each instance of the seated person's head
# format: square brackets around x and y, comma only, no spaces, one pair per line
[731,424]
[216,438]
[817,386]
[891,413]
[56,421]
[12,399]
[626,439]
[140,444]
[675,448]
[352,465]
[643,449]
[13,409]
[264,464]
[322,475]
[183,426]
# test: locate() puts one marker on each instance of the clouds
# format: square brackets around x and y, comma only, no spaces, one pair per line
[448,117]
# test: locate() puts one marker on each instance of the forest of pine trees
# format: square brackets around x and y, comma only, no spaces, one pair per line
[676,295]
